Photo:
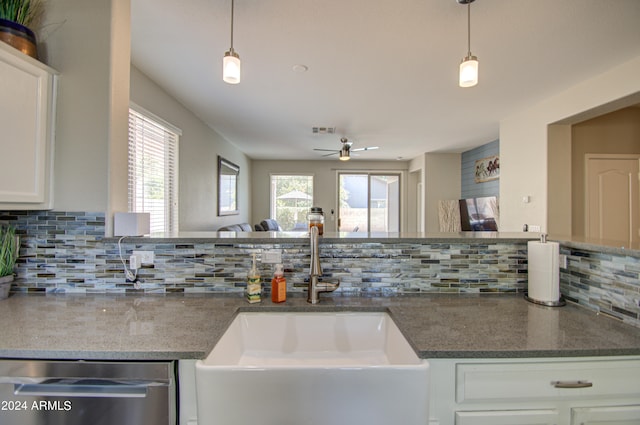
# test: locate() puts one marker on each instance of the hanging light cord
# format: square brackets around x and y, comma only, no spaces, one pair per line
[468,29]
[232,3]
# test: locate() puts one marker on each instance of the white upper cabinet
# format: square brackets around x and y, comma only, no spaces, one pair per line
[27,119]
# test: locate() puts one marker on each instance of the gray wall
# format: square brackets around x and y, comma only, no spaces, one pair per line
[471,189]
[79,48]
[89,45]
[614,133]
[199,148]
[324,185]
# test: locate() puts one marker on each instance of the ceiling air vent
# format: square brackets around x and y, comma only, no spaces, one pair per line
[323,130]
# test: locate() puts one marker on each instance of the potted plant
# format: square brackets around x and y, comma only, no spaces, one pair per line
[9,246]
[16,16]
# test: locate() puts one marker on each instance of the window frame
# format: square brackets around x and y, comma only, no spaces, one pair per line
[369,175]
[273,199]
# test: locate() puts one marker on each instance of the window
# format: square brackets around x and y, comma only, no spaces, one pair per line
[153,169]
[291,198]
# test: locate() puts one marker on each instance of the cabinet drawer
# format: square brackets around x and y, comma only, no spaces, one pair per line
[515,381]
[508,417]
[614,415]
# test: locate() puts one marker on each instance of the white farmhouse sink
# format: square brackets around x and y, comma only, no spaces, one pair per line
[312,369]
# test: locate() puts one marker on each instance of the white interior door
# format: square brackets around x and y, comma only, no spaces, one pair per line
[612,197]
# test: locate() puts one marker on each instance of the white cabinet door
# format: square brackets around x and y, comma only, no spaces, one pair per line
[508,417]
[614,415]
[27,101]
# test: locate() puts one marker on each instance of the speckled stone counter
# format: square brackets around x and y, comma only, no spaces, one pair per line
[329,237]
[181,326]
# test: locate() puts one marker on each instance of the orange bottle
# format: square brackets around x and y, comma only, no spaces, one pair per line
[278,285]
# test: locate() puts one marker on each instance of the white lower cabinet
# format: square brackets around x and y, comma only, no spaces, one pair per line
[615,415]
[187,391]
[544,391]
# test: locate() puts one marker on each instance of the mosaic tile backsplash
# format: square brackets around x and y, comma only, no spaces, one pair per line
[67,252]
[603,282]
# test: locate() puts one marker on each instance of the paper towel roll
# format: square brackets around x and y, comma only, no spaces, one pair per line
[544,273]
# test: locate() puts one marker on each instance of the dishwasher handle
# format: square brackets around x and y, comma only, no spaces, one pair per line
[86,388]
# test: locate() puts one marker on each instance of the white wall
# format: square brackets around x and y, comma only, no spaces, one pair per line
[442,182]
[417,171]
[324,187]
[198,154]
[559,184]
[523,140]
[79,46]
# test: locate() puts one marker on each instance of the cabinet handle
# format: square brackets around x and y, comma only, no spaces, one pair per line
[572,384]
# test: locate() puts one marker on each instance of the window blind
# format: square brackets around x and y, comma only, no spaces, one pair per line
[153,188]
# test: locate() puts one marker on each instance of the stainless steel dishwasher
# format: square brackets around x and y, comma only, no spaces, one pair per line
[38,392]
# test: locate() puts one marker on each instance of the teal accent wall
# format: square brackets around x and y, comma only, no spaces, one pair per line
[471,189]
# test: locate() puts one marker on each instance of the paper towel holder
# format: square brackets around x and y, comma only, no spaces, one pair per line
[559,303]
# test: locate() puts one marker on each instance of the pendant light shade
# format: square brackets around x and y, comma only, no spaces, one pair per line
[469,65]
[231,60]
[231,67]
[469,71]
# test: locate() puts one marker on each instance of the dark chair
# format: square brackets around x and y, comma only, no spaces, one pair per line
[258,227]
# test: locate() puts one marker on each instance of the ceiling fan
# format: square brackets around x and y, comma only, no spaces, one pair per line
[345,151]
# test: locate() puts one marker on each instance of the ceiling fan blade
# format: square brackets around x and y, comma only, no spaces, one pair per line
[327,150]
[368,148]
[329,154]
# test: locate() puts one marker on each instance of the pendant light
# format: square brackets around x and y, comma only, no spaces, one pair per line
[231,61]
[469,65]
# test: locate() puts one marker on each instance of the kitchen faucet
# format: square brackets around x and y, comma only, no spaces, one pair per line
[315,271]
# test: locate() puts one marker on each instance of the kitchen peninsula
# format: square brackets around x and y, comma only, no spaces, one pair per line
[453,295]
[458,299]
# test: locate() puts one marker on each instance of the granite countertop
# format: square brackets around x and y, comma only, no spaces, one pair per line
[626,248]
[165,327]
[328,237]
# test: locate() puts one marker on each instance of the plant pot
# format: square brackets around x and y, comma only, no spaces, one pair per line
[5,286]
[19,37]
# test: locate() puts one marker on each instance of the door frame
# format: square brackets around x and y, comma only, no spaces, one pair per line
[369,173]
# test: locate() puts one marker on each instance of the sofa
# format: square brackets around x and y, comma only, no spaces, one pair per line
[240,227]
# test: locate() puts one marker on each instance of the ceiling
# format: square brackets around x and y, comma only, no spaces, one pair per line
[383,72]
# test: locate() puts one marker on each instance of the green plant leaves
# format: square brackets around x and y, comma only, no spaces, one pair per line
[9,248]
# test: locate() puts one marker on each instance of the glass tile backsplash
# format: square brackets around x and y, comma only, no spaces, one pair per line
[66,252]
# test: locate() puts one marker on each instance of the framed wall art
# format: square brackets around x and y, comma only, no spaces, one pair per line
[487,169]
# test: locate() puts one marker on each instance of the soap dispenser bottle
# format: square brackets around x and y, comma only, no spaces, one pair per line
[278,285]
[254,287]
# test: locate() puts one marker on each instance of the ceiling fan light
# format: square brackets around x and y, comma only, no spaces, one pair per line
[344,154]
[231,67]
[469,71]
